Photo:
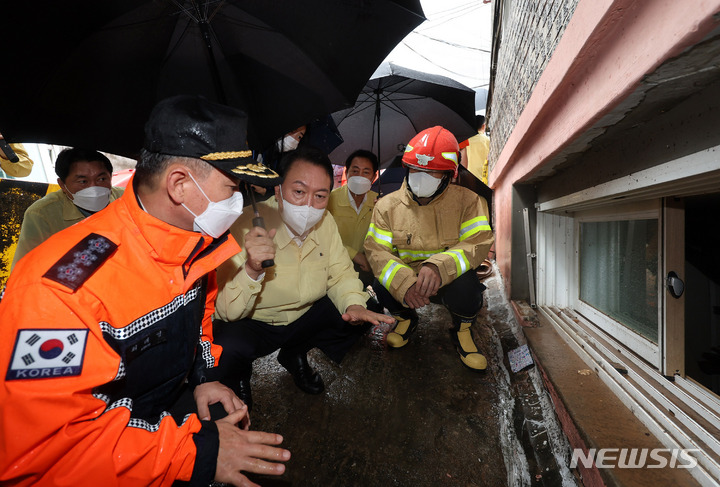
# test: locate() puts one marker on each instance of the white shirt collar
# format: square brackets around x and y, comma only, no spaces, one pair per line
[355,207]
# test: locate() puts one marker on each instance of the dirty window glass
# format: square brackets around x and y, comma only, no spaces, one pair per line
[619,271]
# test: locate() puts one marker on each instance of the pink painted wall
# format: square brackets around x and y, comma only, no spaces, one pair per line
[502,206]
[606,50]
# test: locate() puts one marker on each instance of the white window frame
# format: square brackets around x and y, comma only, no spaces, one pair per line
[635,342]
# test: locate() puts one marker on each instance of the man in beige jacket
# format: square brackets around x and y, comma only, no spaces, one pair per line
[311,297]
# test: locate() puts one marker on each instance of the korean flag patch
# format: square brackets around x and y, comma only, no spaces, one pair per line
[45,354]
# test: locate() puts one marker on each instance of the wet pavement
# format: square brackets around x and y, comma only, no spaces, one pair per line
[416,416]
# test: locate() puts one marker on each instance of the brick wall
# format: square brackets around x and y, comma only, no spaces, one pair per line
[530,31]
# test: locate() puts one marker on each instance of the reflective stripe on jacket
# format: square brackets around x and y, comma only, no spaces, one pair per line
[452,232]
[90,364]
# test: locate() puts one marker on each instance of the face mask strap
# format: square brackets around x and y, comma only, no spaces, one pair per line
[64,186]
[198,186]
[188,209]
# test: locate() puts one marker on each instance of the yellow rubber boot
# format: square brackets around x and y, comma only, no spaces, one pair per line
[466,348]
[404,328]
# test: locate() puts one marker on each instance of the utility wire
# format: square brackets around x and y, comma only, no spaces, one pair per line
[451,43]
[452,12]
[439,21]
[434,63]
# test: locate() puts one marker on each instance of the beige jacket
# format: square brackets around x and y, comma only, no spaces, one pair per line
[452,232]
[300,276]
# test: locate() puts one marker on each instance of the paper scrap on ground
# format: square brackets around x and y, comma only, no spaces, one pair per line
[519,358]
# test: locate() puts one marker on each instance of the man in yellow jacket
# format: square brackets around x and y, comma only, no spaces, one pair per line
[426,239]
[310,297]
[85,178]
[352,206]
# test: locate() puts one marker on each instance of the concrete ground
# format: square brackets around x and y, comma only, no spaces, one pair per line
[416,416]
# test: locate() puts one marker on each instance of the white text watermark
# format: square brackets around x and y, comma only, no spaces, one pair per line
[634,458]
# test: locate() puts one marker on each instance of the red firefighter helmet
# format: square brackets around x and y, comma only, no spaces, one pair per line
[433,149]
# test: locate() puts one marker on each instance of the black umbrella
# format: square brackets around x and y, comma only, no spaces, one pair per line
[87,72]
[391,177]
[323,134]
[396,104]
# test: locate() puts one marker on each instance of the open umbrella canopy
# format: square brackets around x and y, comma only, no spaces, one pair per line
[396,104]
[323,134]
[391,178]
[88,73]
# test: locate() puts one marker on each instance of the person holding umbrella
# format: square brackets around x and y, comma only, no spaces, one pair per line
[16,164]
[426,239]
[108,322]
[310,298]
[352,206]
[271,157]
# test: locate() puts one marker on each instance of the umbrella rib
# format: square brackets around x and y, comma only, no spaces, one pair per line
[202,8]
[242,23]
[404,97]
[358,108]
[172,50]
[398,84]
[392,106]
[220,4]
[185,10]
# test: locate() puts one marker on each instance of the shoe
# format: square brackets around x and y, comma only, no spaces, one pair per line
[465,346]
[404,328]
[304,376]
[245,393]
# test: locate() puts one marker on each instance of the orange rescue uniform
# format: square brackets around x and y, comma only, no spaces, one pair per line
[102,326]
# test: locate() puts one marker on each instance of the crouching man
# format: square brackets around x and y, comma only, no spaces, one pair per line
[107,322]
[311,297]
[426,239]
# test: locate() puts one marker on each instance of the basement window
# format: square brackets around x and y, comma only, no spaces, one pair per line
[619,272]
[617,276]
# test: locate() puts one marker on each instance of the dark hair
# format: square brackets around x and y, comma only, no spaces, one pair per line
[152,164]
[68,157]
[479,121]
[308,154]
[365,154]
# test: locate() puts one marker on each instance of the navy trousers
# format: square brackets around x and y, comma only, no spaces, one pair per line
[245,340]
[462,297]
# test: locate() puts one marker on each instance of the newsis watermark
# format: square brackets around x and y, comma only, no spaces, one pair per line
[634,458]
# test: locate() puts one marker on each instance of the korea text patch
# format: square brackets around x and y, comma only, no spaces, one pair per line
[46,354]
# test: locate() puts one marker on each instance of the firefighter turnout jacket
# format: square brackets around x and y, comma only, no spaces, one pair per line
[103,324]
[452,232]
